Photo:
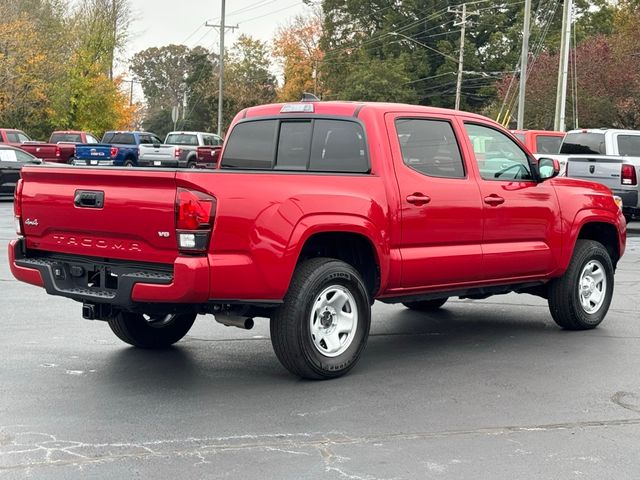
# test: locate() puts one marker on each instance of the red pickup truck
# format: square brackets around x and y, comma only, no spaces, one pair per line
[13,137]
[315,211]
[61,147]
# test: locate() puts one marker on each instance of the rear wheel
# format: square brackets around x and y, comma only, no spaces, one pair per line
[322,327]
[191,164]
[129,163]
[580,299]
[426,305]
[71,160]
[151,331]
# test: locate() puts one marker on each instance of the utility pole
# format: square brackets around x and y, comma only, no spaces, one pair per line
[565,47]
[524,60]
[223,28]
[463,22]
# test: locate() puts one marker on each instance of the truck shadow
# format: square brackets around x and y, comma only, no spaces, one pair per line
[401,341]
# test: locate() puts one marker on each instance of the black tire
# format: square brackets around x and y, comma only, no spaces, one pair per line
[291,329]
[156,331]
[564,294]
[628,218]
[129,163]
[71,160]
[426,305]
[191,164]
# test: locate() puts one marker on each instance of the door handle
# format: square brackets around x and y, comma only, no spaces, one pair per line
[418,199]
[493,200]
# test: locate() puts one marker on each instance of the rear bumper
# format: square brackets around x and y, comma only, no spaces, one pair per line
[118,283]
[144,162]
[629,200]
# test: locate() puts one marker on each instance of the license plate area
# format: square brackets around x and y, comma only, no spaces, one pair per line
[157,163]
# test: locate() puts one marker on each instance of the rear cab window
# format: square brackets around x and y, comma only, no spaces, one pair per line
[590,143]
[182,139]
[119,138]
[329,145]
[548,144]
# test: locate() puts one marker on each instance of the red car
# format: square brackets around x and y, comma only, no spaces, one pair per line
[315,211]
[61,147]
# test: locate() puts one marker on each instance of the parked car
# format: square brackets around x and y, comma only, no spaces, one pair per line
[12,159]
[607,156]
[208,157]
[315,211]
[542,142]
[14,137]
[118,149]
[61,147]
[178,150]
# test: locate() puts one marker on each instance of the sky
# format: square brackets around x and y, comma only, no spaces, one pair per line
[163,22]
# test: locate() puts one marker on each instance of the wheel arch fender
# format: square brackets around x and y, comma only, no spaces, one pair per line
[595,224]
[312,226]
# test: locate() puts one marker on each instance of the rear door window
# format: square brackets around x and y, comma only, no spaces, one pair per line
[430,147]
[629,145]
[251,145]
[583,143]
[12,137]
[548,144]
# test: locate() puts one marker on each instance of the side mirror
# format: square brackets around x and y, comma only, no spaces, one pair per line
[548,168]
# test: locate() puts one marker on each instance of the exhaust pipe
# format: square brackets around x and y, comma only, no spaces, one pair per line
[234,321]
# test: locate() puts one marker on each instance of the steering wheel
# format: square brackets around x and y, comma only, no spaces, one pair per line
[522,171]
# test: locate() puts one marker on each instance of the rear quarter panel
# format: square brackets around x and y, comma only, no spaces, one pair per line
[263,219]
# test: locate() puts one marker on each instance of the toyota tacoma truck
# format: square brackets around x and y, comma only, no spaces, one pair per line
[315,211]
[180,149]
[118,149]
[540,142]
[61,147]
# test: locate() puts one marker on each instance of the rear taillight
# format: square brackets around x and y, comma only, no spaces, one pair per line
[178,152]
[17,207]
[114,152]
[58,152]
[195,215]
[628,175]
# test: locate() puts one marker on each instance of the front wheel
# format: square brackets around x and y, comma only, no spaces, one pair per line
[580,299]
[322,327]
[151,331]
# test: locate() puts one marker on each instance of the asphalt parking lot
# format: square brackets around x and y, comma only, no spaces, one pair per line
[482,389]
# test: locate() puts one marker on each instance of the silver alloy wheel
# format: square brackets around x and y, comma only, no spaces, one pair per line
[592,287]
[334,321]
[159,321]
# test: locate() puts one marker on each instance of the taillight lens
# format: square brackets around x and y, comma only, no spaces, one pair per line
[628,175]
[114,152]
[17,207]
[58,152]
[178,152]
[195,215]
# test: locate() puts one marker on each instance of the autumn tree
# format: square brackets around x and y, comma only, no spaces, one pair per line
[297,49]
[168,76]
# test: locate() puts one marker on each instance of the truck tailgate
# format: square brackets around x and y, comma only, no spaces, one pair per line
[597,168]
[108,213]
[157,153]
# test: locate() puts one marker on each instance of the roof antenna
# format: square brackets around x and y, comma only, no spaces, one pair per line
[309,97]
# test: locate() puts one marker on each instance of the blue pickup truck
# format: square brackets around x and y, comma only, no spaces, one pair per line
[119,149]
